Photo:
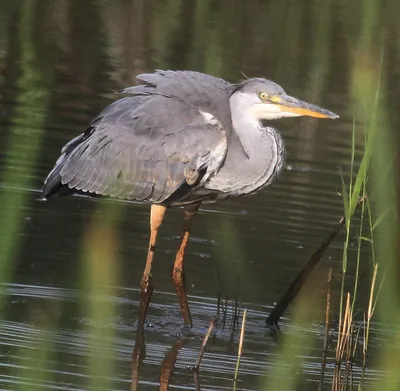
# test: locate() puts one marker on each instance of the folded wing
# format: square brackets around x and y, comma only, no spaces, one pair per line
[144,146]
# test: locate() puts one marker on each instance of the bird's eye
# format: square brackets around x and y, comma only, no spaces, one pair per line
[263,96]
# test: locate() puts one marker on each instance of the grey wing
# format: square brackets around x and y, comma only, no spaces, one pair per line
[194,88]
[143,147]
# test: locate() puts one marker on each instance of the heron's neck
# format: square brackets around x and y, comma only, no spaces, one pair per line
[255,157]
[250,133]
[248,128]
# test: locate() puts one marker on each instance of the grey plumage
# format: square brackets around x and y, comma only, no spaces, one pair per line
[178,137]
[128,152]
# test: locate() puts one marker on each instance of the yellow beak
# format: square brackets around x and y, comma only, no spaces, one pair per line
[293,105]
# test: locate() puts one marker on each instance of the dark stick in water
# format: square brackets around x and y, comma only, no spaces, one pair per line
[196,368]
[203,345]
[301,278]
[168,364]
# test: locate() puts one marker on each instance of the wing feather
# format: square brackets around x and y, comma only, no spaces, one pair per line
[146,145]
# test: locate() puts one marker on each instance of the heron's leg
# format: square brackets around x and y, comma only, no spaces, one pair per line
[178,274]
[156,217]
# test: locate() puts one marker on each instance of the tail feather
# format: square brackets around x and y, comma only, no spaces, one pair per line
[52,184]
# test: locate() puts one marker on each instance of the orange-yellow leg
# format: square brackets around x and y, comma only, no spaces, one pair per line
[157,213]
[178,273]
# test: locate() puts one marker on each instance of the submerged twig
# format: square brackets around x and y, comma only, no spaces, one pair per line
[196,367]
[219,295]
[235,321]
[197,381]
[203,345]
[224,313]
[235,318]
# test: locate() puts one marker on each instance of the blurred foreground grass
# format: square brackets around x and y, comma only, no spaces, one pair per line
[374,179]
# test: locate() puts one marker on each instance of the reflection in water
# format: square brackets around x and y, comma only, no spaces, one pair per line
[72,341]
[138,355]
[168,364]
[60,63]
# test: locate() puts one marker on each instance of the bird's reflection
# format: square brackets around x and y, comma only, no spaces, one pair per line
[138,355]
[167,366]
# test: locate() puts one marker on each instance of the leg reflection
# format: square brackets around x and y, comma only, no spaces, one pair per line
[138,355]
[168,364]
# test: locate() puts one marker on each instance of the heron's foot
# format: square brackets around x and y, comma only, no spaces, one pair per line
[178,278]
[145,297]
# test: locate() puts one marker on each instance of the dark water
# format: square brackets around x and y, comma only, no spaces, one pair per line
[71,266]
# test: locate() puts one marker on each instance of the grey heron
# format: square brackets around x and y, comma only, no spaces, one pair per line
[179,138]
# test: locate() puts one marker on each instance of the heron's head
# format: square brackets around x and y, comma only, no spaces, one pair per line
[263,99]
